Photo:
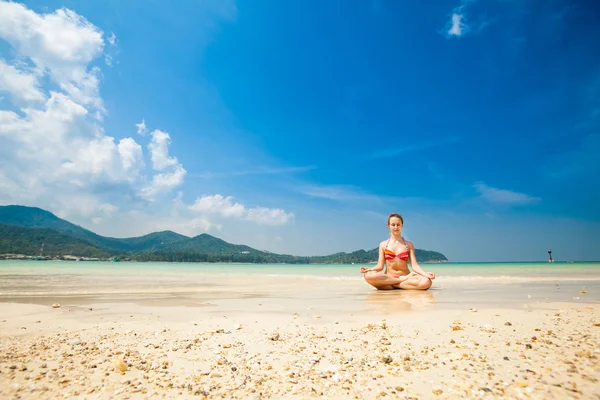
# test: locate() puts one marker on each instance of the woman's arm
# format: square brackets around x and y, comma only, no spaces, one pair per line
[415,265]
[380,262]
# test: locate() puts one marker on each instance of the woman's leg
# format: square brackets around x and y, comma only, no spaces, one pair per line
[381,281]
[415,282]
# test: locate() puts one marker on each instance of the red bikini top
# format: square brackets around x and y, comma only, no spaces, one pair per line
[390,255]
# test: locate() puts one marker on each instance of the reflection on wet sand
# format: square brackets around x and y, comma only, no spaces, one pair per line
[392,301]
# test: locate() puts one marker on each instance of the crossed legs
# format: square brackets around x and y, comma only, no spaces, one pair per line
[381,281]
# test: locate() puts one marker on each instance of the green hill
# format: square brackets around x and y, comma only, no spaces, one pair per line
[208,244]
[33,217]
[28,241]
[35,224]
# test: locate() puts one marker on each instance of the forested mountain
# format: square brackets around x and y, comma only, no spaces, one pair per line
[29,241]
[24,229]
[32,217]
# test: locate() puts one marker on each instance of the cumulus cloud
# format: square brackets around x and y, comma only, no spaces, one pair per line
[504,197]
[229,208]
[60,45]
[159,151]
[54,152]
[23,86]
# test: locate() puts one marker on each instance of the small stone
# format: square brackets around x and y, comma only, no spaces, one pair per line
[55,305]
[120,365]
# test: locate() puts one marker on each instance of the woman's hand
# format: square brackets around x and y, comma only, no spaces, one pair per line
[430,275]
[364,270]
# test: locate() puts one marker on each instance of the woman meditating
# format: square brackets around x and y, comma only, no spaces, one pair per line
[395,254]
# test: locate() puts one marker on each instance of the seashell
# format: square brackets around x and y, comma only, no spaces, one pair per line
[56,305]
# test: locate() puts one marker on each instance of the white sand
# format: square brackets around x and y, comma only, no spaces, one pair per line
[124,350]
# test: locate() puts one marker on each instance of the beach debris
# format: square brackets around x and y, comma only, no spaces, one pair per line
[528,296]
[120,365]
[597,324]
[437,392]
[583,292]
[383,324]
[55,305]
[237,327]
[507,323]
[387,359]
[488,328]
[457,328]
[275,337]
[473,310]
[385,341]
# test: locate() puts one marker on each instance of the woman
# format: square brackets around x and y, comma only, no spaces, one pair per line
[395,254]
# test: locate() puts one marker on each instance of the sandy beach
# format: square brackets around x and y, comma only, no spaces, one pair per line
[130,351]
[301,341]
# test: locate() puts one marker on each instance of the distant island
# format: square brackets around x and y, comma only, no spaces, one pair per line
[30,232]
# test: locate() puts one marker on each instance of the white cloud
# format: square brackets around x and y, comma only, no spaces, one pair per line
[131,156]
[141,128]
[504,197]
[457,27]
[59,44]
[112,39]
[228,208]
[20,85]
[54,152]
[164,182]
[159,151]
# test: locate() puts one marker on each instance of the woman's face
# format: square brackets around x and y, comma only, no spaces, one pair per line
[395,225]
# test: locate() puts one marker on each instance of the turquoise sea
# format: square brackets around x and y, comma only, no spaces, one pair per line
[458,285]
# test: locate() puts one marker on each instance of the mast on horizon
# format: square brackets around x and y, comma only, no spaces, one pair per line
[550,256]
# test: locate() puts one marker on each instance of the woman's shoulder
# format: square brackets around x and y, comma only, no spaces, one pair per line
[383,243]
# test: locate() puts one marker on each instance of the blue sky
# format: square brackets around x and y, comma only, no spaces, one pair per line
[298,126]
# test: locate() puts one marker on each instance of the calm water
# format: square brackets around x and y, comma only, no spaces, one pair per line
[479,284]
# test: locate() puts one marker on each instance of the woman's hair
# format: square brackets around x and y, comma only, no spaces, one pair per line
[395,215]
